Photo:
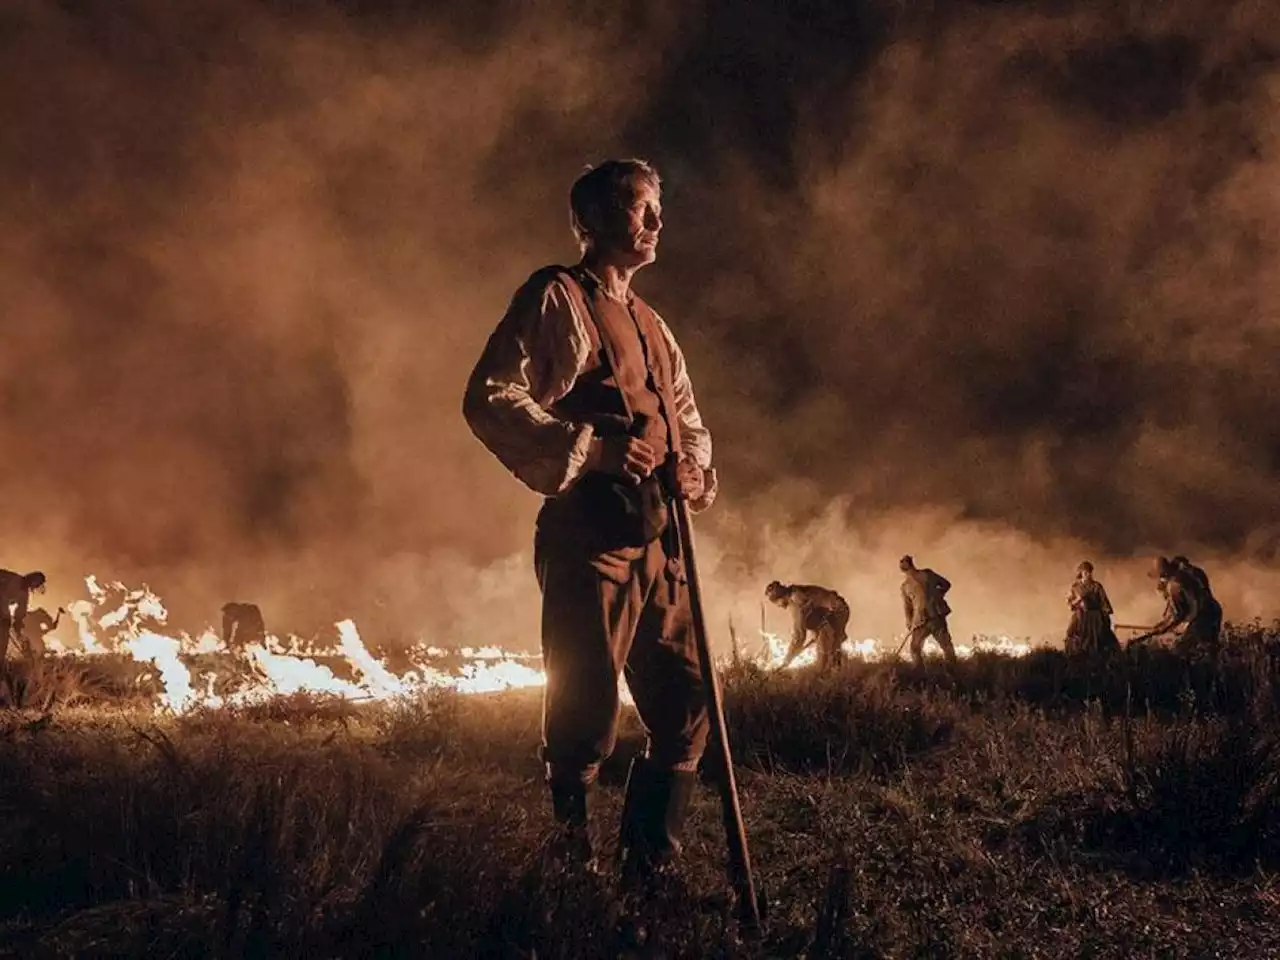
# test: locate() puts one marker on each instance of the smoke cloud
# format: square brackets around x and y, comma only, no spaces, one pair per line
[994,287]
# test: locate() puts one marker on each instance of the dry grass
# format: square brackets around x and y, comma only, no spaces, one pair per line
[1039,808]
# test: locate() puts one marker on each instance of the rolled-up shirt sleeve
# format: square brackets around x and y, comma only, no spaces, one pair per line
[695,438]
[531,360]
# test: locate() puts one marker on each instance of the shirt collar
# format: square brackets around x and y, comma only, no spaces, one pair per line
[599,285]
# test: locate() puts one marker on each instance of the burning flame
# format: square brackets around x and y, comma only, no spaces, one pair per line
[117,619]
[773,652]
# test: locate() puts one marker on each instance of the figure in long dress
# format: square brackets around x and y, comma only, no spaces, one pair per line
[1090,629]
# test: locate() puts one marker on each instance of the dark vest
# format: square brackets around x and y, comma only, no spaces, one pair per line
[628,369]
[597,396]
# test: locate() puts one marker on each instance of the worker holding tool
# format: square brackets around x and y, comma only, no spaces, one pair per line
[1193,616]
[817,615]
[1197,573]
[583,394]
[924,604]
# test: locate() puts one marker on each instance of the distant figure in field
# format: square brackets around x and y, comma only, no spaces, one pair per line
[37,625]
[15,593]
[1192,616]
[815,611]
[242,625]
[1090,629]
[924,603]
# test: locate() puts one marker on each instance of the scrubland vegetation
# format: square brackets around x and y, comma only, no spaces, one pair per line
[1030,807]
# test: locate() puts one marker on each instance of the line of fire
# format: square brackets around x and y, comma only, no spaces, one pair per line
[180,671]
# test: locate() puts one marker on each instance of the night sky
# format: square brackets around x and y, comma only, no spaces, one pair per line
[991,283]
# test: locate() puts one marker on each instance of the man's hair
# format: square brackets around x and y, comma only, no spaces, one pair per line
[33,580]
[604,189]
[906,563]
[775,591]
[1084,565]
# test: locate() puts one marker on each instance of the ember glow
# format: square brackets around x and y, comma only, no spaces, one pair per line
[200,670]
[773,650]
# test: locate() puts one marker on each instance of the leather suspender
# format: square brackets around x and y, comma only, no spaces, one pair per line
[606,342]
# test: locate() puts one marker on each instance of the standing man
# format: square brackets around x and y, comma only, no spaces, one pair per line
[583,394]
[924,603]
[817,611]
[15,594]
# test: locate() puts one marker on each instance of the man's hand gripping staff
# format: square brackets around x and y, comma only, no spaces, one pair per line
[629,457]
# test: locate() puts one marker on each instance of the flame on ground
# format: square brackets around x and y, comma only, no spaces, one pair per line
[117,619]
[772,654]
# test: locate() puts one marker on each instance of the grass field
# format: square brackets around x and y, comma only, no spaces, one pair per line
[1026,807]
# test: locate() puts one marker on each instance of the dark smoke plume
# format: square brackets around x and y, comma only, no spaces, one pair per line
[989,283]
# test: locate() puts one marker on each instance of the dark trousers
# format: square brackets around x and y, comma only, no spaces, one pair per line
[936,628]
[831,637]
[604,613]
[1202,634]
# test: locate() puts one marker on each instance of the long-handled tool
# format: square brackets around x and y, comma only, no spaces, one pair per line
[735,830]
[905,637]
[1144,633]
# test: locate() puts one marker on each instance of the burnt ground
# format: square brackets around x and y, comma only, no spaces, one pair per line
[1013,808]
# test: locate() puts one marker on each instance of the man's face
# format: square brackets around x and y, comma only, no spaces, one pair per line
[629,238]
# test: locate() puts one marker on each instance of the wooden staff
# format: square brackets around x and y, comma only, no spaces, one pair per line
[740,874]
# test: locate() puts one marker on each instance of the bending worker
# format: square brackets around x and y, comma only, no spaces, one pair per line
[15,594]
[817,614]
[242,625]
[1192,616]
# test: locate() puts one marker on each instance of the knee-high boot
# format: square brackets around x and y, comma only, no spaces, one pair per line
[571,805]
[653,816]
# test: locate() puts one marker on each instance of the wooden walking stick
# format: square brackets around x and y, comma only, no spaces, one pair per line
[740,874]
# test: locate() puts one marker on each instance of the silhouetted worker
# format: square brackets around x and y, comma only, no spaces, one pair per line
[242,625]
[817,614]
[1192,616]
[1182,563]
[582,393]
[1090,629]
[15,593]
[924,603]
[35,628]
